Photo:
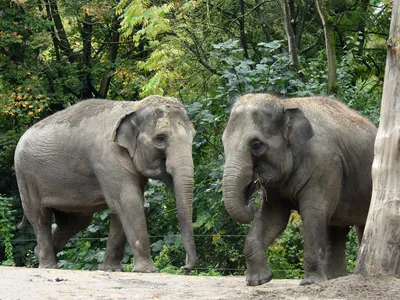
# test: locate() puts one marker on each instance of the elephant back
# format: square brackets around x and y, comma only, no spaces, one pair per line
[329,113]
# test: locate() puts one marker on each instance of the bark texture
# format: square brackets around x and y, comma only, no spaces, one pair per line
[294,57]
[329,33]
[63,40]
[380,248]
[106,81]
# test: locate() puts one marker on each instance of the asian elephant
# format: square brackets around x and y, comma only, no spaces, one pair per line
[98,154]
[313,155]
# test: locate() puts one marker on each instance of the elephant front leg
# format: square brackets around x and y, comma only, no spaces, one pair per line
[269,222]
[133,220]
[115,246]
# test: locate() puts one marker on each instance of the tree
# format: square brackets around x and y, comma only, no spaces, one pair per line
[327,23]
[380,248]
[292,45]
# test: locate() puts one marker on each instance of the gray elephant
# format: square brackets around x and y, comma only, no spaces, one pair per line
[98,154]
[313,155]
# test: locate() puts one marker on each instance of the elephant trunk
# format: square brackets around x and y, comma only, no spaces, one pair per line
[182,172]
[237,189]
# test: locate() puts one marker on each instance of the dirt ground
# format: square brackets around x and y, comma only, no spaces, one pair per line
[23,283]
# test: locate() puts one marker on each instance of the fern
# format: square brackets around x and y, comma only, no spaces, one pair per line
[163,30]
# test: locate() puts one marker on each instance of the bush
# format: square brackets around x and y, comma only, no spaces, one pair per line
[7,227]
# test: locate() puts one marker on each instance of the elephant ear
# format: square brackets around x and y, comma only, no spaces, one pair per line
[126,132]
[298,129]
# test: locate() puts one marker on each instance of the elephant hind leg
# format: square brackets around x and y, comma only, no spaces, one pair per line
[68,224]
[336,260]
[40,219]
[115,246]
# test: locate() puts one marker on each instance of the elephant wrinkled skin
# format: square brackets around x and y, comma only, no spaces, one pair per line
[313,155]
[98,154]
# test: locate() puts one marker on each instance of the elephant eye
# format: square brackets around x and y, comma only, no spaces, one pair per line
[258,147]
[161,139]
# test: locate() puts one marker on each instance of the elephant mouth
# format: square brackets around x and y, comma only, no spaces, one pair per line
[255,189]
[250,192]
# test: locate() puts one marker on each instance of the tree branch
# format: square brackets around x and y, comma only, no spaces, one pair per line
[63,40]
[105,82]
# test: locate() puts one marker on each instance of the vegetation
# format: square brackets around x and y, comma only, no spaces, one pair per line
[54,53]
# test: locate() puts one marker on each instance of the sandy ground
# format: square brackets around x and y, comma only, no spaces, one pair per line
[23,283]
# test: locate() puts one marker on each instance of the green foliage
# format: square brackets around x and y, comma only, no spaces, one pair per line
[193,50]
[86,250]
[8,142]
[351,250]
[273,73]
[285,255]
[360,89]
[7,226]
[170,256]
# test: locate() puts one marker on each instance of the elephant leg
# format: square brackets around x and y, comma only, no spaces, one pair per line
[315,225]
[44,251]
[336,263]
[270,221]
[129,208]
[40,219]
[115,246]
[68,224]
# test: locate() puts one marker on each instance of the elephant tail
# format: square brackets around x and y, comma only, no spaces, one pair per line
[23,223]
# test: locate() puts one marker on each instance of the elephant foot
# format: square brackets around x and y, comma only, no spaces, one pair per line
[258,275]
[111,268]
[188,267]
[45,263]
[144,268]
[259,280]
[313,279]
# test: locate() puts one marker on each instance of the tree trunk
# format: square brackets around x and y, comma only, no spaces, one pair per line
[63,40]
[243,38]
[302,21]
[84,73]
[380,248]
[105,82]
[261,19]
[362,24]
[294,57]
[326,20]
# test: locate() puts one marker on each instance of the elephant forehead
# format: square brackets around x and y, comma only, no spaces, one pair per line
[170,117]
[176,124]
[254,113]
[257,99]
[160,101]
[163,122]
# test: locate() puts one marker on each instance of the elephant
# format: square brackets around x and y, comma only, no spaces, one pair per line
[313,155]
[99,154]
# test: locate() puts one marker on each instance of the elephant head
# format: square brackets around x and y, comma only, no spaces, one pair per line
[158,136]
[261,141]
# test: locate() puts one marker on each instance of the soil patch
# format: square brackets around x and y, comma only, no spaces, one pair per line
[24,283]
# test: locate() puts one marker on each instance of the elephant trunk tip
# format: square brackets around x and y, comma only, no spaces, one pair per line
[245,215]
